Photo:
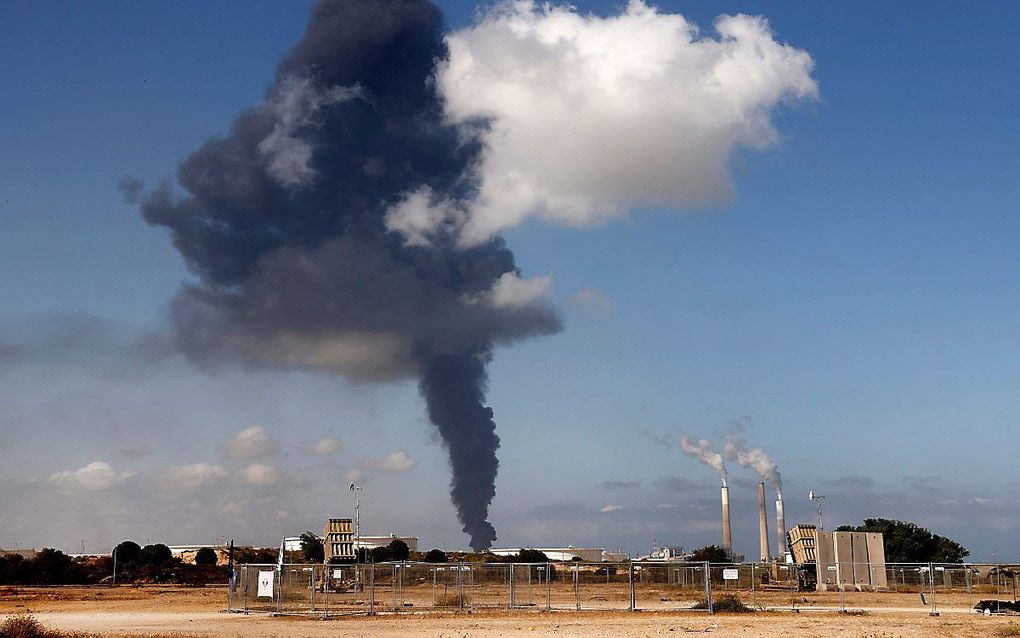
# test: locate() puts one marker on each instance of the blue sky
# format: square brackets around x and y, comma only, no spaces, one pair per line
[855,304]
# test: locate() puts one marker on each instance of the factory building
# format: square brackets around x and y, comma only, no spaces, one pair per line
[568,553]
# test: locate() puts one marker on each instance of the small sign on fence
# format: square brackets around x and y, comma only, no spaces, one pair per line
[338,574]
[266,584]
[731,574]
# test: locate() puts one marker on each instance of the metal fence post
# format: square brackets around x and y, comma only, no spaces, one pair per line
[511,585]
[630,581]
[708,587]
[754,602]
[371,592]
[577,589]
[931,581]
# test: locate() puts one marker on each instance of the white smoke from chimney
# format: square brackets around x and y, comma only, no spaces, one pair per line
[737,449]
[702,450]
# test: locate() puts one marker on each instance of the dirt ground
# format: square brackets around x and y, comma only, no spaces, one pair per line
[187,612]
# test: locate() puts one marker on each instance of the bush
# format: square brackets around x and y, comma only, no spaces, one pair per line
[25,626]
[726,605]
[206,556]
[436,556]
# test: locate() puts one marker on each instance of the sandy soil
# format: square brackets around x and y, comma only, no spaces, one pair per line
[187,612]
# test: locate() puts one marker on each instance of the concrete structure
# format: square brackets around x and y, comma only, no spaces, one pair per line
[338,539]
[564,554]
[371,542]
[825,562]
[727,540]
[851,560]
[763,525]
[782,551]
[876,560]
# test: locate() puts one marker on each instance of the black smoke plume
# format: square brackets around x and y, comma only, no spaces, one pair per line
[282,221]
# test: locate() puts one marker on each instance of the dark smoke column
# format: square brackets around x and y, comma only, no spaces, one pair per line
[283,223]
[454,387]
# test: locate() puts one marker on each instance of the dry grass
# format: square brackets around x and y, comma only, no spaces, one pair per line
[25,626]
[451,600]
[1010,630]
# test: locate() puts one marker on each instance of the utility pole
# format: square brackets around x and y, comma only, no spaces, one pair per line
[817,498]
[357,537]
[357,519]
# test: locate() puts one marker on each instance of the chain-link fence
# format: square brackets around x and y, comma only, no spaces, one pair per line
[643,585]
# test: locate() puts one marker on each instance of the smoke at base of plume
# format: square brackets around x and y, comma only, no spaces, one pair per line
[737,449]
[702,450]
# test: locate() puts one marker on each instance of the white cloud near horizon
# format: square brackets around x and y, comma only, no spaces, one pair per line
[96,476]
[250,443]
[260,474]
[192,476]
[393,462]
[591,116]
[325,446]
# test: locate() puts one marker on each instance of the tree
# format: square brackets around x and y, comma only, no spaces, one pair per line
[436,556]
[312,548]
[532,556]
[52,567]
[398,550]
[155,555]
[206,556]
[910,543]
[711,554]
[127,552]
[380,554]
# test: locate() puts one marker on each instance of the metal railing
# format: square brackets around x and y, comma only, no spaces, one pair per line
[406,586]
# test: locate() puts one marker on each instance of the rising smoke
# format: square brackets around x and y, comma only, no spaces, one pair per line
[737,449]
[702,450]
[349,223]
[283,222]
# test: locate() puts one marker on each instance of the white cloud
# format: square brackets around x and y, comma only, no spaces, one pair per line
[419,215]
[510,291]
[260,474]
[592,302]
[324,446]
[353,475]
[397,461]
[193,476]
[591,116]
[611,508]
[295,105]
[250,443]
[666,506]
[95,476]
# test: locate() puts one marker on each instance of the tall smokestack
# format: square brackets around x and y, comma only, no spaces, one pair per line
[780,528]
[726,539]
[763,524]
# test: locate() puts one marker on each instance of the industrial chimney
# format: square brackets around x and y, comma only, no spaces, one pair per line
[763,524]
[780,527]
[726,540]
